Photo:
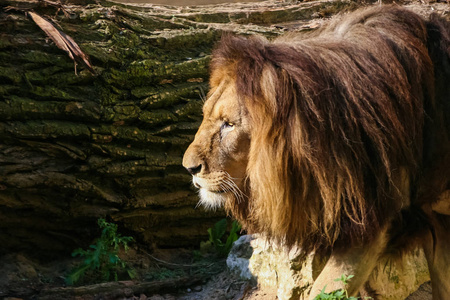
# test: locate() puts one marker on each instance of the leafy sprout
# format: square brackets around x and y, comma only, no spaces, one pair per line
[340,294]
[217,235]
[101,260]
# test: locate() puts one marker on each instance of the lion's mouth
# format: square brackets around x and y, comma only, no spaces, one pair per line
[214,191]
[212,199]
[200,183]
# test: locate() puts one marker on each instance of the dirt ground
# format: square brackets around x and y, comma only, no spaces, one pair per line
[177,274]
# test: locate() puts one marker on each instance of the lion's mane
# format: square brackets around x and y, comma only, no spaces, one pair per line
[334,116]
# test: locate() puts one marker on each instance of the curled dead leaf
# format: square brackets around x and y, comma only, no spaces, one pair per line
[63,42]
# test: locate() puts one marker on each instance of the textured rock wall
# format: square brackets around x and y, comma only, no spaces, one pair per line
[292,272]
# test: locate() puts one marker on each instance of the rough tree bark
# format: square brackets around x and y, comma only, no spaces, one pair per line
[74,148]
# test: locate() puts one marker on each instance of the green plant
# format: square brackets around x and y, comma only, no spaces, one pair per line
[340,294]
[217,239]
[101,261]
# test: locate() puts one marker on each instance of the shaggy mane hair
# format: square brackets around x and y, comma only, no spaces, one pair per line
[334,116]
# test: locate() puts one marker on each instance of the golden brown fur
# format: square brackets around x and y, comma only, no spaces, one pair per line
[347,129]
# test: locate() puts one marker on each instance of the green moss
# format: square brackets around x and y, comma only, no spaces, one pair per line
[126,152]
[90,15]
[268,17]
[5,43]
[132,113]
[152,72]
[19,108]
[190,111]
[210,17]
[42,75]
[8,89]
[37,56]
[126,38]
[135,135]
[10,74]
[144,91]
[47,129]
[101,53]
[394,278]
[157,117]
[164,97]
[51,92]
[128,168]
[155,23]
[127,111]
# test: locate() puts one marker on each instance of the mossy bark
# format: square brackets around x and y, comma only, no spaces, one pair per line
[76,147]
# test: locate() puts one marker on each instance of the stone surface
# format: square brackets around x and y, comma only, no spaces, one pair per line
[397,279]
[293,272]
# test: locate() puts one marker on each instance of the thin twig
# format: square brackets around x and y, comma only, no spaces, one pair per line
[178,265]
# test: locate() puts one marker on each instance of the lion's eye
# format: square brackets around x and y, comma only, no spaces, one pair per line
[226,127]
[228,124]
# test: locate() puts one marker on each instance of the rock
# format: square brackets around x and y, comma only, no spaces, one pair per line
[271,266]
[197,288]
[128,292]
[423,293]
[293,272]
[240,254]
[398,279]
[143,297]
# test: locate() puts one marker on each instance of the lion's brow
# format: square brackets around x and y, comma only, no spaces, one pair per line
[212,99]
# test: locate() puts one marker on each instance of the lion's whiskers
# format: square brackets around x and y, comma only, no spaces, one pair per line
[233,188]
[228,186]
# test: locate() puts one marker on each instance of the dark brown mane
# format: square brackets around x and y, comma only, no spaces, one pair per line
[335,115]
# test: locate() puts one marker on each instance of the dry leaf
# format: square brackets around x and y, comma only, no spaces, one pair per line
[63,41]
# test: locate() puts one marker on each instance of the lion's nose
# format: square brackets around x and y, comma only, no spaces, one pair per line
[191,160]
[194,170]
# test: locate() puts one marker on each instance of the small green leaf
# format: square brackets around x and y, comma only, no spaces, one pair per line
[211,237]
[132,273]
[219,229]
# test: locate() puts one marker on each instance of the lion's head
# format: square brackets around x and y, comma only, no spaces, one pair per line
[217,159]
[315,139]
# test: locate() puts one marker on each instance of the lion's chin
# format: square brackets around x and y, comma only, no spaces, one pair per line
[211,200]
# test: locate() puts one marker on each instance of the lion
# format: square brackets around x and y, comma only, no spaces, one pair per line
[336,140]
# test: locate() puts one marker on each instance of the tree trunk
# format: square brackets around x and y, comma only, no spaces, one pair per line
[76,147]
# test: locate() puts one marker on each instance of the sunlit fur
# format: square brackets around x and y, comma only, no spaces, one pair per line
[222,181]
[347,125]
